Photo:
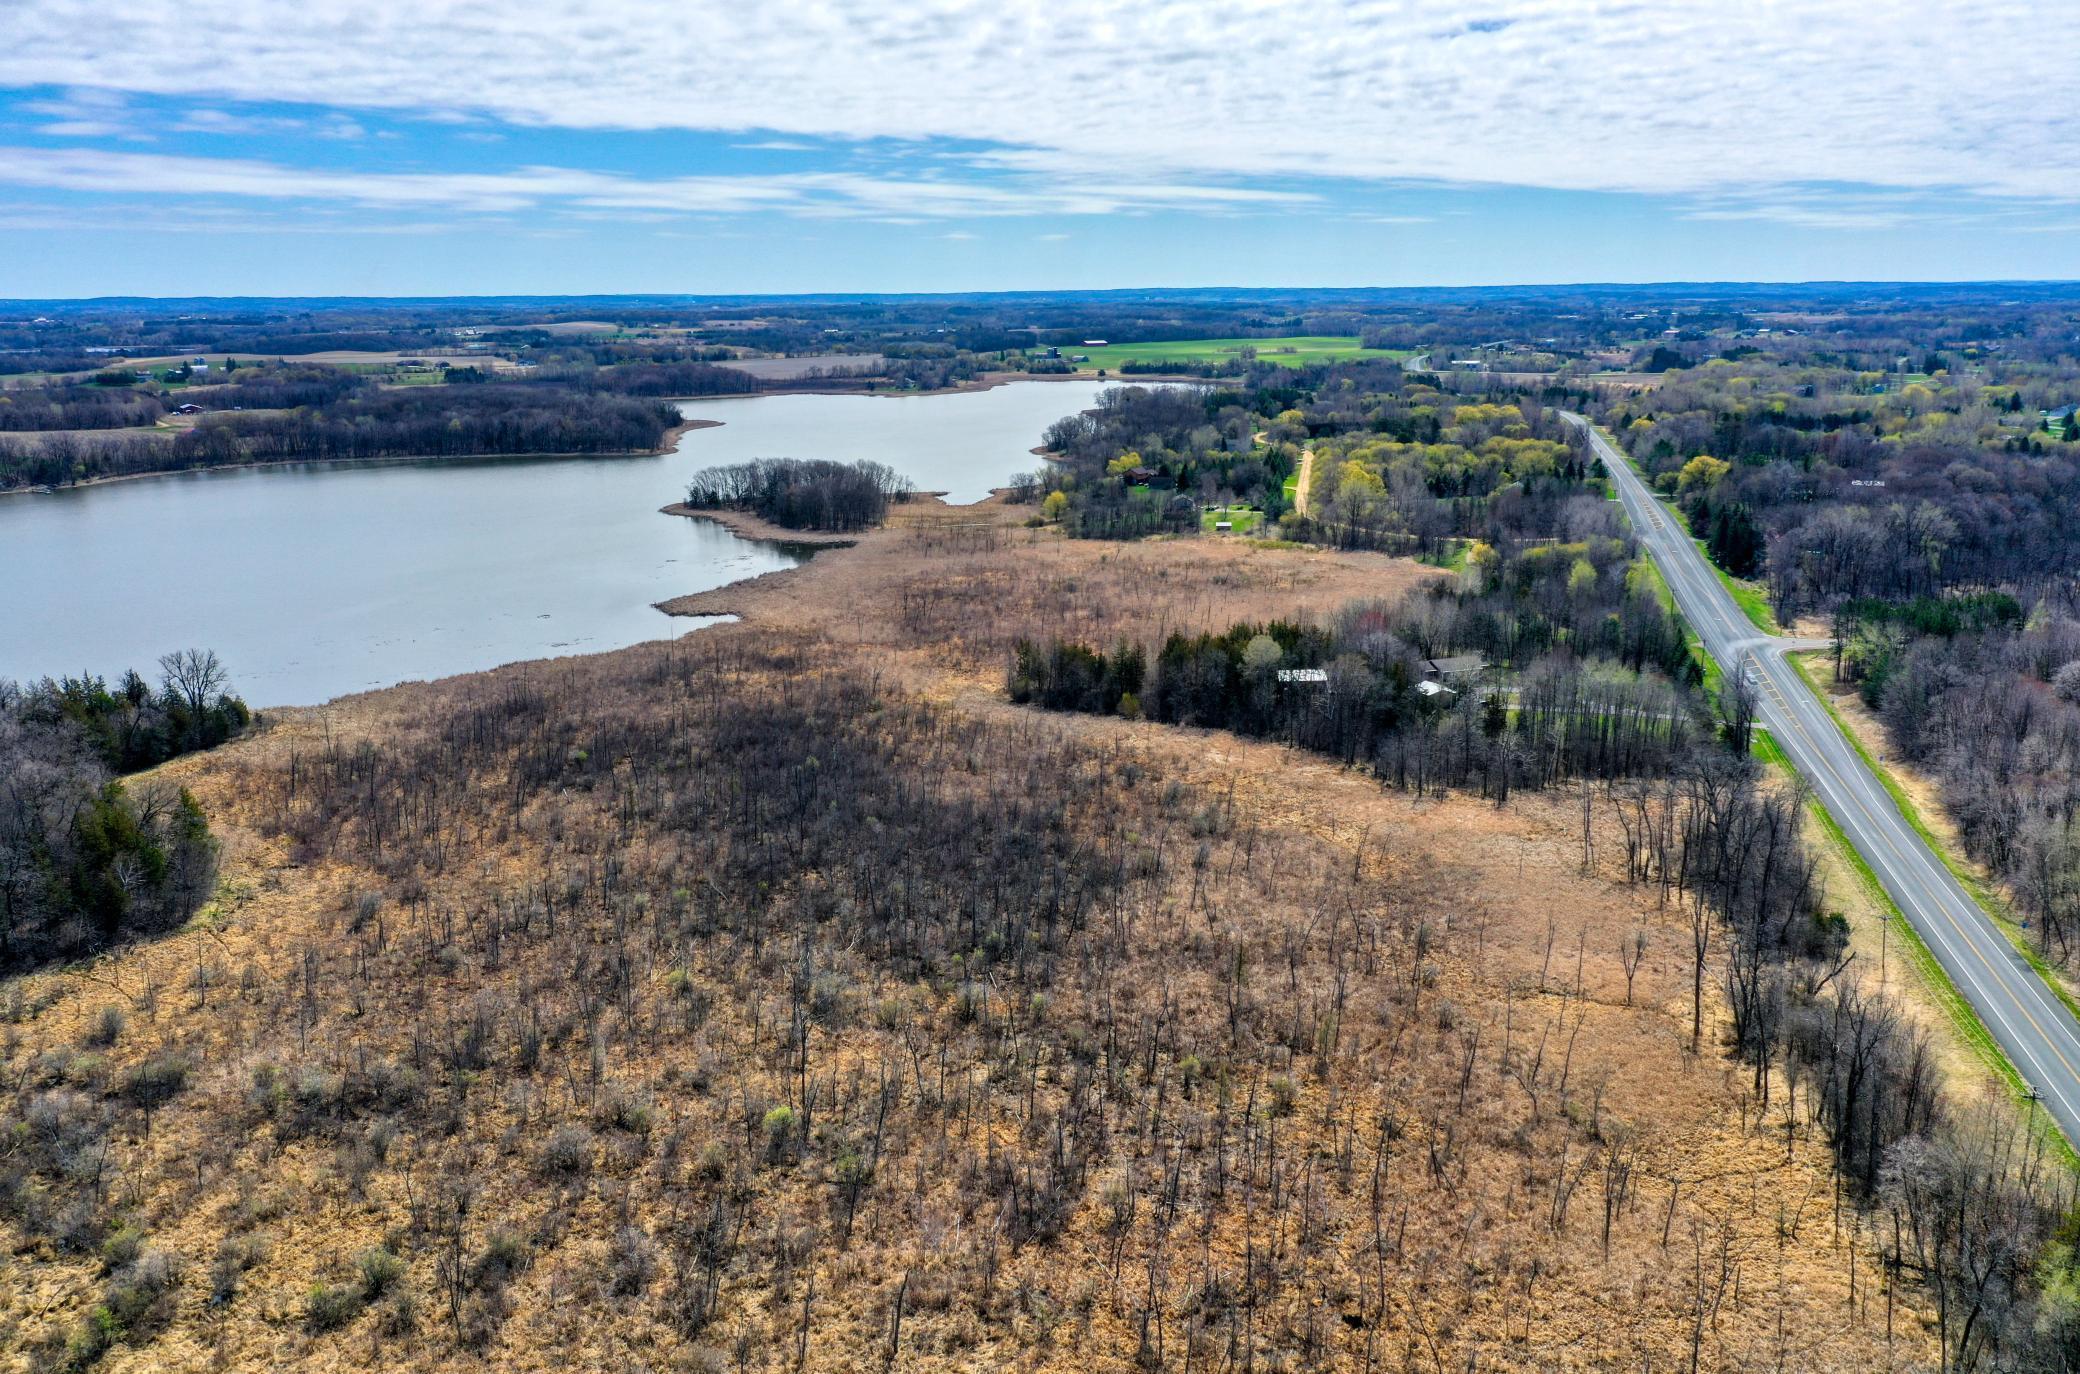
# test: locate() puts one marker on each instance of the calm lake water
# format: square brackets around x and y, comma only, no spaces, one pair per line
[318,579]
[965,444]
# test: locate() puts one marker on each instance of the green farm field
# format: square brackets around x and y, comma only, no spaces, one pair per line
[1291,351]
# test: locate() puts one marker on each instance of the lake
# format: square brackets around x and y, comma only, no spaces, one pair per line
[964,443]
[318,579]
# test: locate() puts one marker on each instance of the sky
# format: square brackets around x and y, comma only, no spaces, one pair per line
[456,147]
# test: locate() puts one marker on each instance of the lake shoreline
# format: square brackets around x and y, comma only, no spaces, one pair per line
[667,445]
[745,525]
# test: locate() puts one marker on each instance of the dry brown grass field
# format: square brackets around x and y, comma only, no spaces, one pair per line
[783,998]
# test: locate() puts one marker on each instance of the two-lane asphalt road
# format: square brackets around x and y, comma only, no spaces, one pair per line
[2034,1029]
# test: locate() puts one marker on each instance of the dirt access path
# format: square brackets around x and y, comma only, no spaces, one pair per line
[1306,482]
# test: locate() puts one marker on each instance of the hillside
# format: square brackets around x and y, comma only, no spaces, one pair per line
[783,997]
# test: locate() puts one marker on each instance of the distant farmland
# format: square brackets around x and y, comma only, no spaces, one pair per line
[1291,351]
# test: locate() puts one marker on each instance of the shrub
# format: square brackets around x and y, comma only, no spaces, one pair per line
[399,1316]
[631,1262]
[567,1152]
[107,1027]
[235,1255]
[122,1248]
[331,1306]
[138,1299]
[625,1110]
[156,1081]
[779,1127]
[380,1271]
[504,1256]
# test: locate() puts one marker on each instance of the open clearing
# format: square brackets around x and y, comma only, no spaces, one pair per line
[1290,351]
[793,369]
[1241,519]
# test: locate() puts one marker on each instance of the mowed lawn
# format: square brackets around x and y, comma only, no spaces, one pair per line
[1291,351]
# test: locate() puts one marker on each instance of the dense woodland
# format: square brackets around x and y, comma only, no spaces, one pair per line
[87,861]
[1440,468]
[492,418]
[1831,482]
[1399,464]
[76,407]
[133,725]
[802,493]
[1990,707]
[1143,460]
[269,414]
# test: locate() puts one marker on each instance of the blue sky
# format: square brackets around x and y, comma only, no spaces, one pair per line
[461,146]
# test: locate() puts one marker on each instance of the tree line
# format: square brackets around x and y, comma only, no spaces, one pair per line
[1593,677]
[496,418]
[133,725]
[314,412]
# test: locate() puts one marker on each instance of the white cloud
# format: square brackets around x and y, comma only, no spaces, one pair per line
[208,121]
[1861,208]
[1630,95]
[84,114]
[594,193]
[201,219]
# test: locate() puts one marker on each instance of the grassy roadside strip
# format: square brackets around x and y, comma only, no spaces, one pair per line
[1965,1021]
[1981,891]
[1749,597]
